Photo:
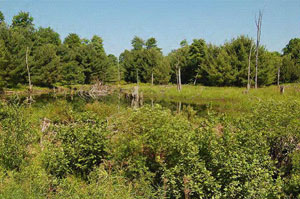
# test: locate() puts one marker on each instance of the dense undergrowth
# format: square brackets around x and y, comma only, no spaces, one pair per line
[96,150]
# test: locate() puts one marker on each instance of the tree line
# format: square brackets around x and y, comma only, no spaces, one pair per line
[76,60]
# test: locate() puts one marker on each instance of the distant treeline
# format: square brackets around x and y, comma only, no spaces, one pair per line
[83,61]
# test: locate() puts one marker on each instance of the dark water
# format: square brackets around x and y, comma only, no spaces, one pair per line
[117,99]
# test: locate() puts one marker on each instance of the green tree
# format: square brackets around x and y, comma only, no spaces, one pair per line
[45,68]
[21,37]
[23,20]
[137,43]
[4,66]
[197,59]
[72,41]
[71,69]
[47,36]
[151,43]
[100,63]
[5,57]
[155,63]
[2,18]
[179,60]
[291,61]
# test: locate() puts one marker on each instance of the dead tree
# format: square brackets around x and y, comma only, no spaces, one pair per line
[179,78]
[258,22]
[177,82]
[178,75]
[137,76]
[135,97]
[249,68]
[119,76]
[29,99]
[278,76]
[195,81]
[152,77]
[179,107]
[281,89]
[178,72]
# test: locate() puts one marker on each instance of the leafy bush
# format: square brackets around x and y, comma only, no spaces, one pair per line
[75,147]
[16,135]
[149,152]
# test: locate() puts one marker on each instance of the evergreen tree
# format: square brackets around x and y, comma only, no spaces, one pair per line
[291,61]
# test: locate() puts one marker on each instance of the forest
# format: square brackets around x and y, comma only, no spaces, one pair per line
[107,127]
[82,61]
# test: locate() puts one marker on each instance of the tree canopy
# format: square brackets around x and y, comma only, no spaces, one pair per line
[77,60]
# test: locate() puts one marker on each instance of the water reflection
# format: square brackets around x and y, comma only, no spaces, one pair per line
[121,100]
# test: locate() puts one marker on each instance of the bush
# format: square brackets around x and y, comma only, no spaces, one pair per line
[75,147]
[16,136]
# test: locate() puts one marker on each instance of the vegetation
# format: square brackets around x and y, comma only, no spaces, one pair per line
[82,61]
[78,149]
[224,142]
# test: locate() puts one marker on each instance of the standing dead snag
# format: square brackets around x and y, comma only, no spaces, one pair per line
[278,76]
[281,89]
[179,79]
[152,78]
[178,75]
[135,97]
[258,22]
[29,78]
[249,67]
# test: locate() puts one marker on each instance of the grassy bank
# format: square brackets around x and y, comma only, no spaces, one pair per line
[223,99]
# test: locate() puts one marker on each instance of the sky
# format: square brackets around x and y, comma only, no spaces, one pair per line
[169,21]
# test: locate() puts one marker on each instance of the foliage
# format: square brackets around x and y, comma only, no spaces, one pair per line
[82,61]
[96,150]
[16,136]
[145,63]
[75,147]
[291,61]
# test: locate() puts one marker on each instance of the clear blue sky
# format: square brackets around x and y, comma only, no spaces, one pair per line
[169,21]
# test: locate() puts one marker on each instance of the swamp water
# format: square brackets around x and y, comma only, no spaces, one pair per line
[117,99]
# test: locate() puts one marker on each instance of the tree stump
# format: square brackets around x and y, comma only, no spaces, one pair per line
[281,89]
[135,93]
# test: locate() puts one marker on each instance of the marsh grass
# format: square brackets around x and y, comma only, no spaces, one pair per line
[231,100]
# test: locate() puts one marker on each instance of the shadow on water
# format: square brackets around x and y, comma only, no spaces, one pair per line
[116,98]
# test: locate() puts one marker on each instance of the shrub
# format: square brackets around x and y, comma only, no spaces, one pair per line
[75,147]
[16,135]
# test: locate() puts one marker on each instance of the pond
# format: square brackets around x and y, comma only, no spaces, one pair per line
[116,98]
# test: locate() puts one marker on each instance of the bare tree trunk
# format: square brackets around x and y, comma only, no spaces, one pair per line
[258,23]
[278,76]
[179,79]
[249,68]
[179,107]
[137,76]
[135,97]
[152,78]
[28,72]
[195,81]
[177,75]
[119,76]
[29,78]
